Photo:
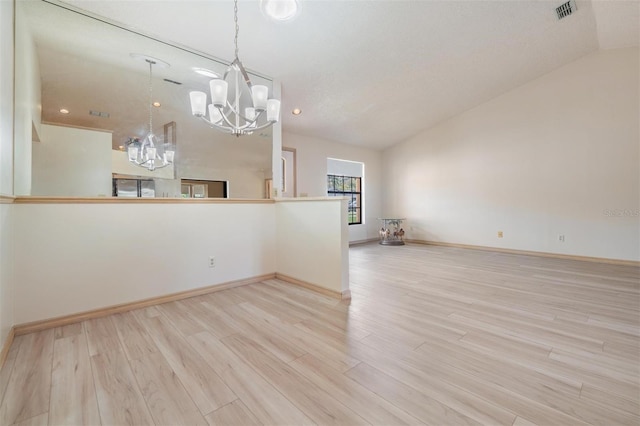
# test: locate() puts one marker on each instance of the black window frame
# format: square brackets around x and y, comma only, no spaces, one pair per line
[353,191]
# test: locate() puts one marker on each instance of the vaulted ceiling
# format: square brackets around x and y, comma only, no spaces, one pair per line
[373,73]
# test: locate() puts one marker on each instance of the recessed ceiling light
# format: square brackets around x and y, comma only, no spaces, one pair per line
[157,104]
[280,10]
[205,72]
[64,111]
[296,111]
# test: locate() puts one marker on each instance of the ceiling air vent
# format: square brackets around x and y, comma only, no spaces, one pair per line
[99,114]
[566,9]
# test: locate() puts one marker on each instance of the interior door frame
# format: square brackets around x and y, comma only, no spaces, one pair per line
[295,169]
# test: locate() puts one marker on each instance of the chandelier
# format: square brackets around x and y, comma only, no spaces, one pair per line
[145,153]
[227,114]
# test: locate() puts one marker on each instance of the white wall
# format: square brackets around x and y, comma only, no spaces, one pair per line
[312,243]
[89,256]
[71,258]
[71,162]
[6,169]
[6,97]
[28,107]
[312,154]
[551,157]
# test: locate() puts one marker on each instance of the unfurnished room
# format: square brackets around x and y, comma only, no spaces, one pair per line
[288,212]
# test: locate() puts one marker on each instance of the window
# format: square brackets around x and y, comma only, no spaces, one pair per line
[141,188]
[350,187]
[192,188]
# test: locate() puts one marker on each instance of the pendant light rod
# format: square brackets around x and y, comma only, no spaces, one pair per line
[151,64]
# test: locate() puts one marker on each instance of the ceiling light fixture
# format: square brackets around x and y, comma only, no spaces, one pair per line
[64,111]
[296,111]
[145,153]
[228,115]
[157,104]
[205,72]
[280,10]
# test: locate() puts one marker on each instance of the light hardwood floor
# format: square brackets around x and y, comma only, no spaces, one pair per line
[433,335]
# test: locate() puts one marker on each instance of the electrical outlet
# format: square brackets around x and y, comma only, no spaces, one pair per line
[500,234]
[561,238]
[212,261]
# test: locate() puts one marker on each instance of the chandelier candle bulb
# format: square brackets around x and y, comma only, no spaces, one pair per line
[198,103]
[259,94]
[133,153]
[273,109]
[151,152]
[169,156]
[218,92]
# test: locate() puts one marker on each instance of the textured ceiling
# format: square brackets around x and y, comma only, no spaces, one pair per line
[373,73]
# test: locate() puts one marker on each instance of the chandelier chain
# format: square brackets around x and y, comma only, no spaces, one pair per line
[150,95]
[235,18]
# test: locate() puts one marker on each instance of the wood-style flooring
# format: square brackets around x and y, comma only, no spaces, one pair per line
[433,335]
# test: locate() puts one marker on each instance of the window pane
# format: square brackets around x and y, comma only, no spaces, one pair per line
[199,191]
[185,190]
[330,183]
[349,187]
[352,216]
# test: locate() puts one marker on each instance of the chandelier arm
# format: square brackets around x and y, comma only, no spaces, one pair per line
[143,164]
[244,74]
[237,63]
[232,126]
[239,114]
[217,126]
[230,130]
[162,166]
[258,115]
[231,109]
[264,126]
[226,119]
